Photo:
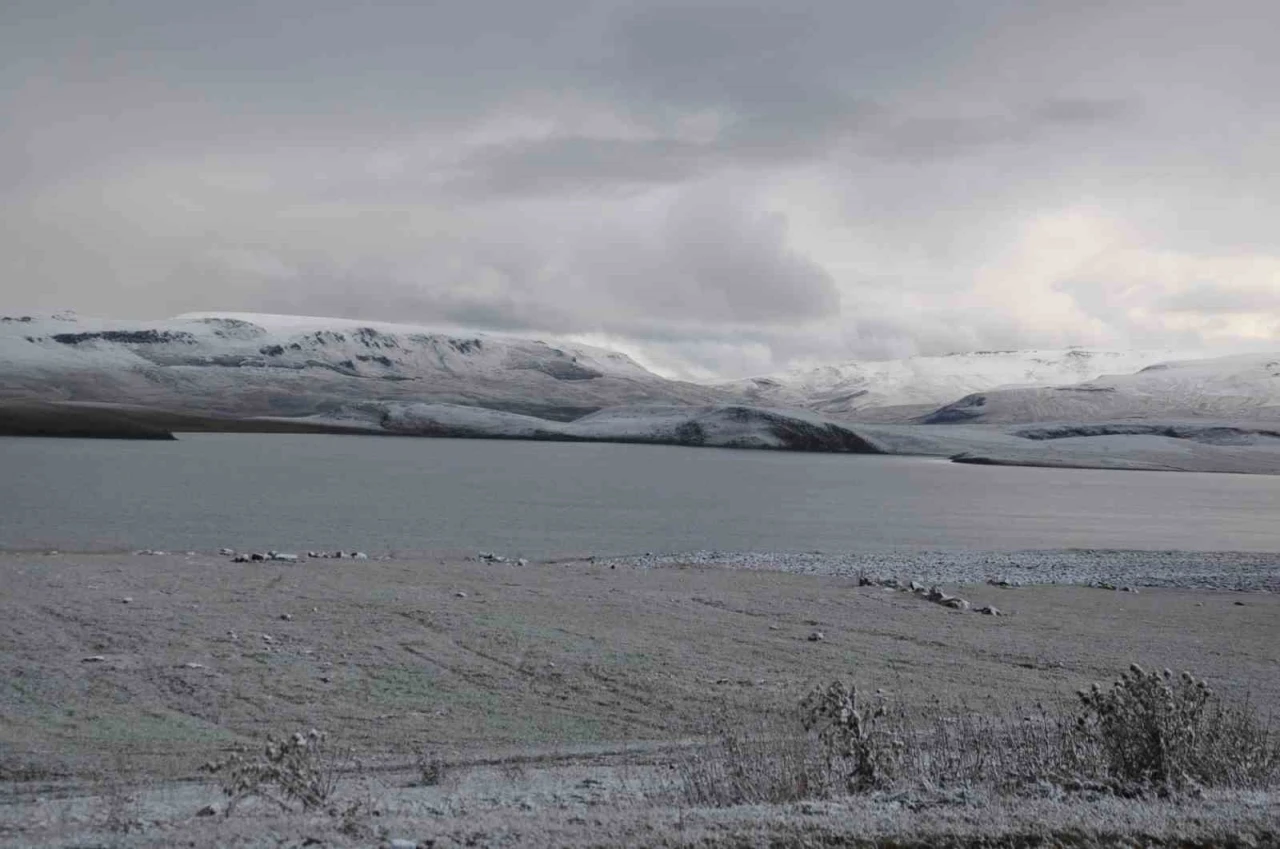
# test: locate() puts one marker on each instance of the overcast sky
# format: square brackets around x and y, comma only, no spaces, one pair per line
[719,188]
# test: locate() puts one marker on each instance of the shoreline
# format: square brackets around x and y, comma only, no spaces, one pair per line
[1233,571]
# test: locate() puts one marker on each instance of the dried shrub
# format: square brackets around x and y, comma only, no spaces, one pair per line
[1173,732]
[854,736]
[300,769]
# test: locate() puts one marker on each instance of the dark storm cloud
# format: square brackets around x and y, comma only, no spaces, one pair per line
[723,185]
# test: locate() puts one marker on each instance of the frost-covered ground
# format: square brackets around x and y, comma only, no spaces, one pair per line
[559,698]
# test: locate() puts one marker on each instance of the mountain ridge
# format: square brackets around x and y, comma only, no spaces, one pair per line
[851,389]
[242,372]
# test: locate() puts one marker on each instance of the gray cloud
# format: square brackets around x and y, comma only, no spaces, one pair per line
[1215,299]
[579,164]
[720,186]
[711,261]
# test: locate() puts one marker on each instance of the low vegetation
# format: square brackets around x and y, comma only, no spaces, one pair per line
[299,770]
[1150,733]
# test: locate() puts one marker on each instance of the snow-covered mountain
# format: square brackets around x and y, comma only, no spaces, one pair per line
[1242,387]
[67,375]
[240,365]
[262,365]
[853,388]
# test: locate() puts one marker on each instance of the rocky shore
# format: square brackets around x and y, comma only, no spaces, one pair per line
[1219,570]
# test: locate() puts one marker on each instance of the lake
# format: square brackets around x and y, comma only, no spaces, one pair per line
[541,499]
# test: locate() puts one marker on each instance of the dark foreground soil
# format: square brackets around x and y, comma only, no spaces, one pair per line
[554,694]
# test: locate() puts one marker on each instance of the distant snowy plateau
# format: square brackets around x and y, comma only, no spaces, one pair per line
[227,371]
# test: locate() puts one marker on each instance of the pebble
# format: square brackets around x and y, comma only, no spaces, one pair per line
[459,594]
[287,617]
[93,658]
[1243,571]
[127,600]
[989,610]
[817,637]
[226,552]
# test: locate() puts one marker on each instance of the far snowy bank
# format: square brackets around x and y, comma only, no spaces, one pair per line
[1197,446]
[700,426]
[1185,446]
[1168,446]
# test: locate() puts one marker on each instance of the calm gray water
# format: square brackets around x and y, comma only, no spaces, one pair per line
[296,492]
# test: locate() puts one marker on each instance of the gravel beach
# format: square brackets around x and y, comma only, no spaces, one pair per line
[1222,570]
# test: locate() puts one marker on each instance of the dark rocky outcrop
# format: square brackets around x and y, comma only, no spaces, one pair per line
[967,408]
[128,337]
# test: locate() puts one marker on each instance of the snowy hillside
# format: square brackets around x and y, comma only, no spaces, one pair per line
[261,365]
[1242,387]
[235,364]
[847,389]
[692,425]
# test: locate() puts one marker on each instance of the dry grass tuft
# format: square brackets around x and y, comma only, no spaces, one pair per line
[767,759]
[431,768]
